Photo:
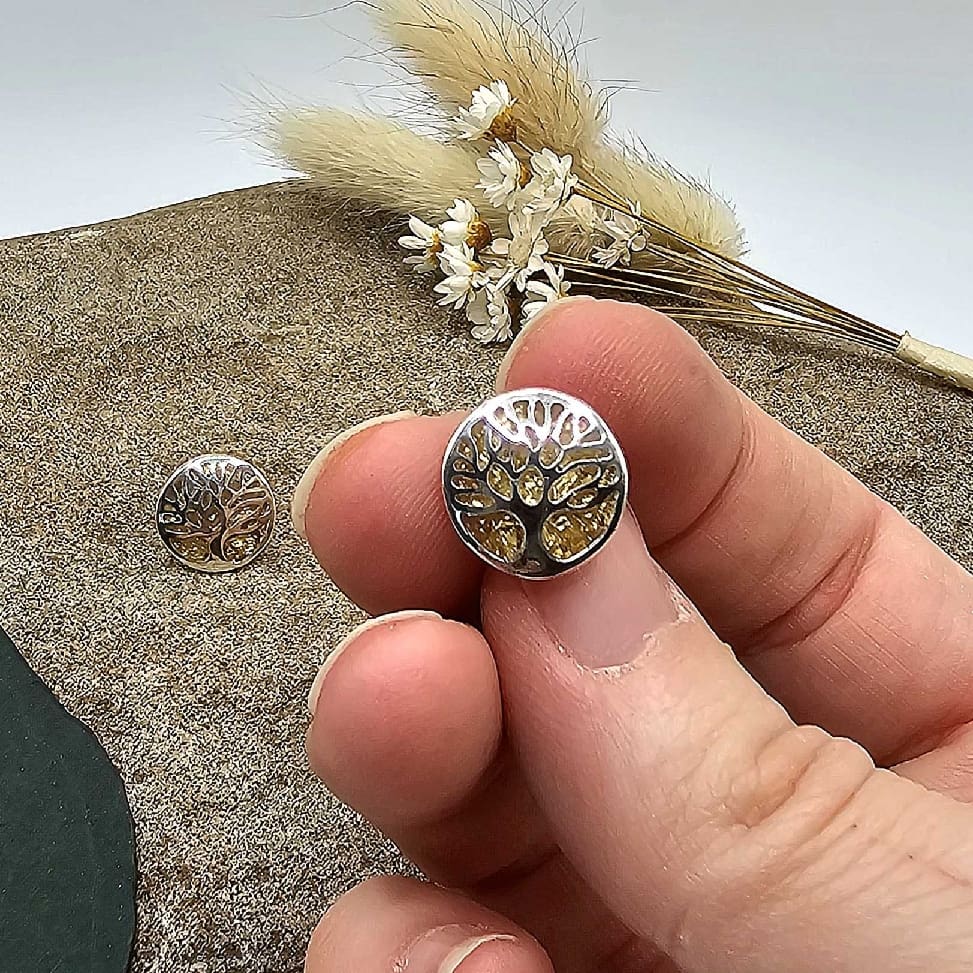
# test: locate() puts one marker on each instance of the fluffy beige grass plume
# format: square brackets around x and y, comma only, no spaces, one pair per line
[455,46]
[384,166]
[376,161]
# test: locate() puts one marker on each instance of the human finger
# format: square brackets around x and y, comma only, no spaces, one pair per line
[707,820]
[391,924]
[408,730]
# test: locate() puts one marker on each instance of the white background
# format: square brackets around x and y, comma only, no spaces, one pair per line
[843,129]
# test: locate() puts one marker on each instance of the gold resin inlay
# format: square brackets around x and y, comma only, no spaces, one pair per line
[530,486]
[575,479]
[476,501]
[549,454]
[500,534]
[567,534]
[192,549]
[611,476]
[498,479]
[465,483]
[583,498]
[594,454]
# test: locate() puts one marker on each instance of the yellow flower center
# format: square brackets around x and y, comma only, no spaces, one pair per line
[479,235]
[504,127]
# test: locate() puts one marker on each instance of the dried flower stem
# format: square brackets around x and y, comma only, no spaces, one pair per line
[611,222]
[730,292]
[730,283]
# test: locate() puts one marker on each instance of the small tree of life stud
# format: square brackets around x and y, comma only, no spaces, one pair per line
[535,483]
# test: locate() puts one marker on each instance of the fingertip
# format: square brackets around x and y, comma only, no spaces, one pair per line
[388,622]
[407,718]
[377,524]
[565,338]
[495,953]
[394,923]
[553,312]
[304,491]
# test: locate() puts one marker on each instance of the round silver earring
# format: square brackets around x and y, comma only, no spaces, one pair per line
[535,483]
[216,514]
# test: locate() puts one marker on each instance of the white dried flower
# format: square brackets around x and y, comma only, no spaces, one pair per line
[456,229]
[553,181]
[488,114]
[627,236]
[502,176]
[426,238]
[545,293]
[524,251]
[489,313]
[464,275]
[608,257]
[465,226]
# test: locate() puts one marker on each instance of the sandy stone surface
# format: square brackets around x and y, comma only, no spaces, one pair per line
[261,324]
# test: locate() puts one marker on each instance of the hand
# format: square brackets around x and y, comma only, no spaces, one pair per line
[596,782]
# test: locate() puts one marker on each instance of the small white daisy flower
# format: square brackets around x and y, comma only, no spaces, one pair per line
[488,114]
[456,229]
[545,293]
[525,250]
[627,236]
[478,307]
[427,239]
[503,176]
[464,276]
[610,256]
[465,227]
[553,181]
[489,313]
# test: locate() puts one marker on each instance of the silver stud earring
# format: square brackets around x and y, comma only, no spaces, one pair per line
[216,514]
[535,483]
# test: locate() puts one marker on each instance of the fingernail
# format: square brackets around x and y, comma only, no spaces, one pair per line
[530,329]
[446,949]
[605,613]
[458,956]
[383,621]
[304,489]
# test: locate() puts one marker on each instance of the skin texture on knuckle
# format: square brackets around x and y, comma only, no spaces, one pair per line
[798,784]
[816,855]
[767,821]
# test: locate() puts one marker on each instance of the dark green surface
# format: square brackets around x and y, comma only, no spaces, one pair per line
[67,852]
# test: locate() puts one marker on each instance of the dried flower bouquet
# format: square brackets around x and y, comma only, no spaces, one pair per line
[538,196]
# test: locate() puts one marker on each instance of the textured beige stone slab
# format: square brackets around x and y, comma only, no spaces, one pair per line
[259,323]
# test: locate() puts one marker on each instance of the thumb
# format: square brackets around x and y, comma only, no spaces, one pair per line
[699,812]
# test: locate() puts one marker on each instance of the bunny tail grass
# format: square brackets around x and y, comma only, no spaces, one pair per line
[386,167]
[455,46]
[374,161]
[688,206]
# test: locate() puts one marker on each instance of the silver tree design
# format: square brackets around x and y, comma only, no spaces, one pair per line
[217,512]
[536,482]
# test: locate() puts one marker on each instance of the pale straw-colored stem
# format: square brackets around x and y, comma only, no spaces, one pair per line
[949,365]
